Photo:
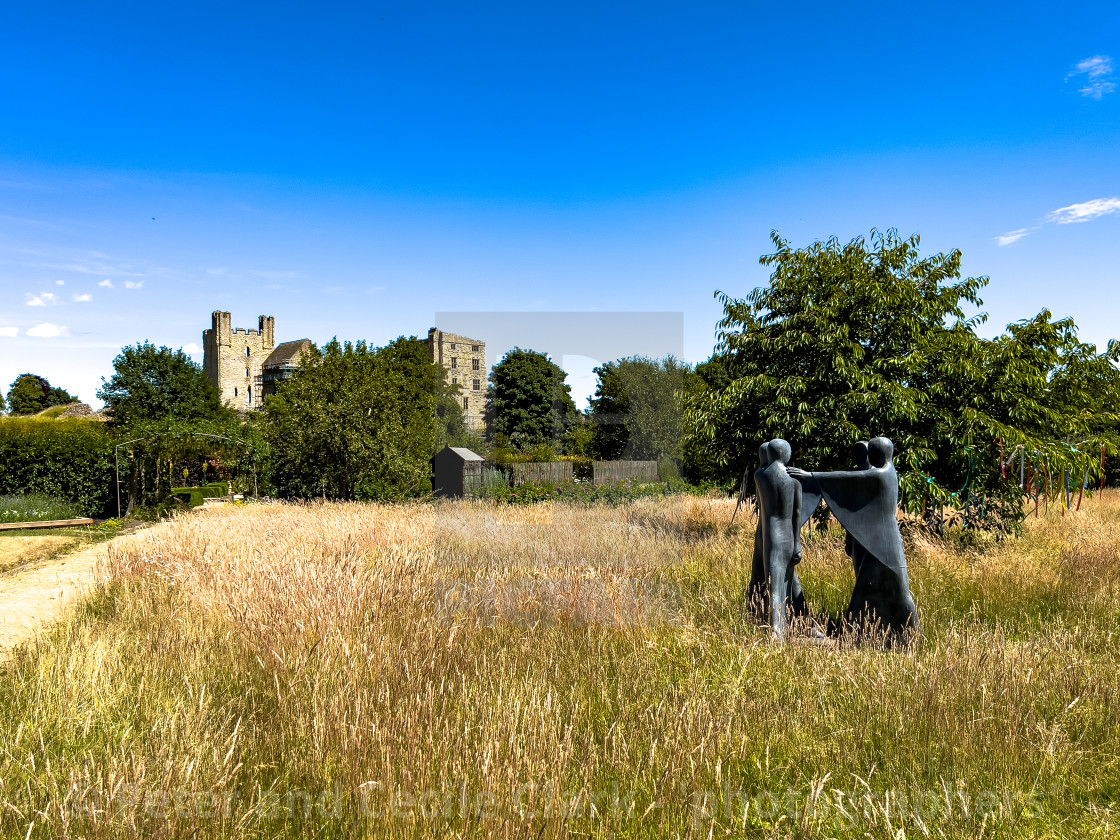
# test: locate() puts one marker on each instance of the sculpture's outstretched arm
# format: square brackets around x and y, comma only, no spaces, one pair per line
[797,501]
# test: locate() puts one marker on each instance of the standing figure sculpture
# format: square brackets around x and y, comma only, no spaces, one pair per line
[851,545]
[777,546]
[866,504]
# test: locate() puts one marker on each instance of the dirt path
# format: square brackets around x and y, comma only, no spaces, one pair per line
[37,593]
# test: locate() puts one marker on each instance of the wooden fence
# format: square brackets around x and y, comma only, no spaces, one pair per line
[554,472]
[611,472]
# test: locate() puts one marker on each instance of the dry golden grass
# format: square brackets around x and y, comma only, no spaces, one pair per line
[20,549]
[462,669]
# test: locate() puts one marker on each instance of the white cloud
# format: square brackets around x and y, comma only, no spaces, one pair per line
[192,349]
[1085,211]
[1013,236]
[86,298]
[60,282]
[48,331]
[128,284]
[9,332]
[106,283]
[44,299]
[1098,72]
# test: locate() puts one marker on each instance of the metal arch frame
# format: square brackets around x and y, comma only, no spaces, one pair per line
[117,459]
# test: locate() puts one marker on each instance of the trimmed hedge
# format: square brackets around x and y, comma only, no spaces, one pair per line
[193,496]
[66,459]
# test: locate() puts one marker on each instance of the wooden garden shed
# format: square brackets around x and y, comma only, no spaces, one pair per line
[456,472]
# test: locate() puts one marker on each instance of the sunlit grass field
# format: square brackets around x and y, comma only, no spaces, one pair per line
[466,669]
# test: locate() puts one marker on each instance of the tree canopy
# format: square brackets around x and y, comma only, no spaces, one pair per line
[31,393]
[528,400]
[157,383]
[357,422]
[869,338]
[638,408]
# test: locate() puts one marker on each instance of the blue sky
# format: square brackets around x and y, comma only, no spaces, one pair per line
[352,169]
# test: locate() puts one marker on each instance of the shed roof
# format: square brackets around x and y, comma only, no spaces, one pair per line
[466,454]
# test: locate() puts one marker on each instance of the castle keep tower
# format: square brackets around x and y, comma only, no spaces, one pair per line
[232,358]
[465,361]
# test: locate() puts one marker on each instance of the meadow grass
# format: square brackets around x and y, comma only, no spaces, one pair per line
[27,547]
[468,669]
[35,508]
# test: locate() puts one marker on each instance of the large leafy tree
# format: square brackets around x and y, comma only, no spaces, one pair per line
[152,383]
[528,400]
[425,378]
[357,422]
[638,408]
[31,393]
[870,338]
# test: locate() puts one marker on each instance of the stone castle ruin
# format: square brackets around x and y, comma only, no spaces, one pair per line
[464,359]
[248,365]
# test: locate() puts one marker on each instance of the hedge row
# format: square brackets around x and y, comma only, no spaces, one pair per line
[66,459]
[194,496]
[588,494]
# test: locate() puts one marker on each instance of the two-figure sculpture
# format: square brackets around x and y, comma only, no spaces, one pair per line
[865,501]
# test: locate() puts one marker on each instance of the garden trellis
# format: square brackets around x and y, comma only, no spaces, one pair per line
[179,434]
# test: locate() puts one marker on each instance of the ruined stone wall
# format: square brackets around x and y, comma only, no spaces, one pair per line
[232,358]
[465,361]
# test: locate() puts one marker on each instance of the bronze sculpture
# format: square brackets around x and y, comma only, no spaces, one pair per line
[777,549]
[865,501]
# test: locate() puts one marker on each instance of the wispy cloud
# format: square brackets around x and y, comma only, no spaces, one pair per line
[85,298]
[129,284]
[94,268]
[1098,76]
[43,299]
[106,283]
[48,331]
[1013,236]
[60,282]
[9,332]
[277,275]
[1085,211]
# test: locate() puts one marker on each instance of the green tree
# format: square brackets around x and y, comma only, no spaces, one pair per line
[59,396]
[870,338]
[528,401]
[425,378]
[158,383]
[638,408]
[31,393]
[356,422]
[28,393]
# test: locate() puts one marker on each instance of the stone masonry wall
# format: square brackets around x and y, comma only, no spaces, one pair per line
[465,361]
[232,358]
